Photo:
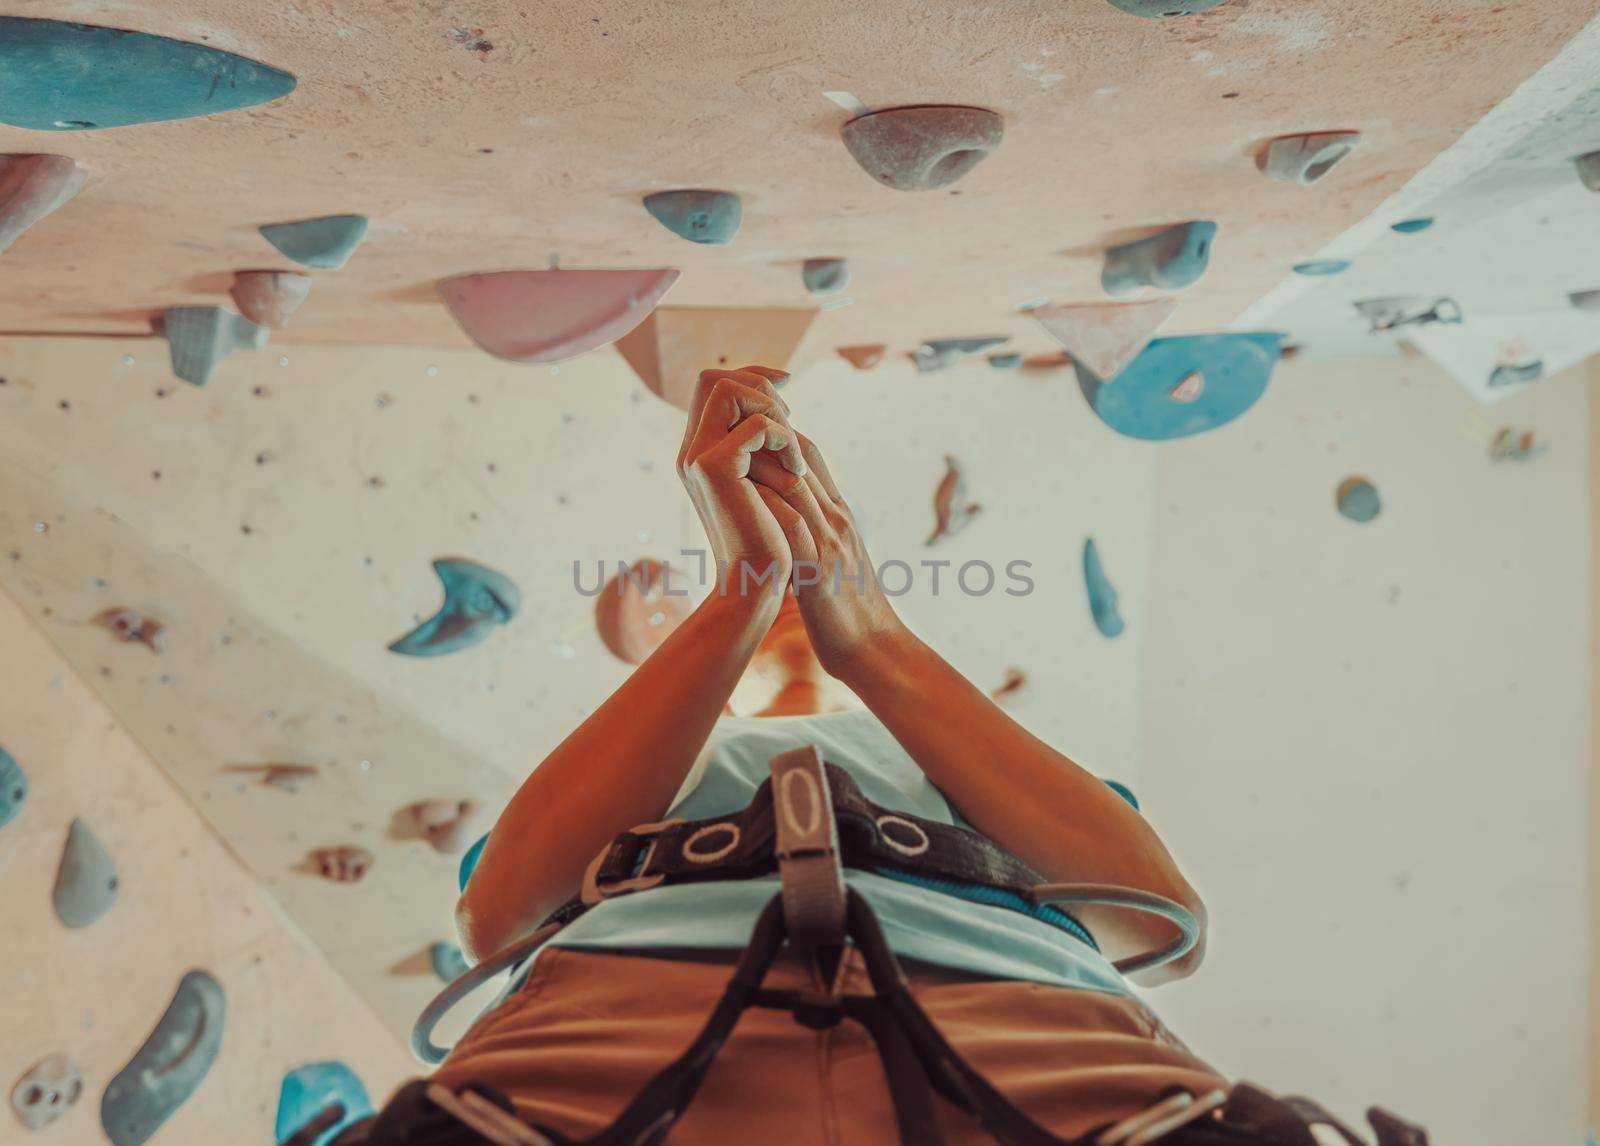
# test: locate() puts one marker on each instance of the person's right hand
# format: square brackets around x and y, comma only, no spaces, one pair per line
[736,416]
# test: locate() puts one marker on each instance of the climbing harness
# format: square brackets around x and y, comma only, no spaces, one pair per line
[808,822]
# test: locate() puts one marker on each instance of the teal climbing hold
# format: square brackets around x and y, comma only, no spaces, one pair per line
[311,1092]
[1007,361]
[469,862]
[86,882]
[1102,597]
[13,788]
[477,599]
[825,276]
[1185,385]
[169,1067]
[1168,260]
[1515,374]
[1163,9]
[325,243]
[58,76]
[937,353]
[1124,791]
[1411,226]
[1318,268]
[200,337]
[710,217]
[1357,498]
[448,961]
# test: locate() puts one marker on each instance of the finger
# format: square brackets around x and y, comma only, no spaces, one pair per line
[730,458]
[771,373]
[802,545]
[795,489]
[815,462]
[707,383]
[729,404]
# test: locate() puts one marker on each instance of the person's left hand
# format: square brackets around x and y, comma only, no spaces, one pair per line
[845,610]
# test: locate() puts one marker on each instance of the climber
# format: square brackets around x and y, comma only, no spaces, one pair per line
[846,889]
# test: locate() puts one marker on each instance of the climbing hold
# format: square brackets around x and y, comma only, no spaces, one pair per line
[1319,268]
[132,628]
[1047,362]
[1588,167]
[169,1067]
[50,1088]
[268,298]
[924,147]
[1509,446]
[443,823]
[1391,313]
[1183,386]
[344,863]
[277,775]
[1015,681]
[1516,373]
[938,353]
[1008,361]
[199,337]
[469,861]
[13,788]
[1162,9]
[310,1093]
[1411,226]
[825,276]
[1104,337]
[86,881]
[1357,498]
[448,961]
[57,76]
[670,348]
[1124,791]
[476,600]
[700,216]
[1168,260]
[638,609]
[952,509]
[1102,597]
[1588,300]
[31,187]
[866,357]
[554,315]
[326,243]
[1305,159]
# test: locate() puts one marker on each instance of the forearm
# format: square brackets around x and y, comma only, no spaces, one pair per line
[620,767]
[1017,790]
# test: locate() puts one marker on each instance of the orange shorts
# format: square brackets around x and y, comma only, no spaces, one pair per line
[588,1029]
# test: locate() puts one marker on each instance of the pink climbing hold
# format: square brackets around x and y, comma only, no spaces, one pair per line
[32,186]
[446,824]
[268,298]
[1103,337]
[129,626]
[863,357]
[923,147]
[550,316]
[638,610]
[1189,387]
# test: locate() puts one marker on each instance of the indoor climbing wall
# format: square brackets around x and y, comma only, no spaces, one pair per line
[1369,740]
[182,903]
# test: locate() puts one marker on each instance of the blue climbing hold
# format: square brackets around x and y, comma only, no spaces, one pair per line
[1318,268]
[1514,375]
[1124,791]
[700,216]
[169,1067]
[57,76]
[448,961]
[1163,9]
[1357,498]
[476,600]
[1168,260]
[311,1090]
[825,276]
[1009,360]
[937,353]
[1102,597]
[469,862]
[13,788]
[1185,385]
[86,880]
[1411,226]
[326,243]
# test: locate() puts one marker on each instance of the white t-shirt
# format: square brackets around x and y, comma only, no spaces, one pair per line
[920,923]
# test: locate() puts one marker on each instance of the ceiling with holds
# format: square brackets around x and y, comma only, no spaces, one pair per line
[502,136]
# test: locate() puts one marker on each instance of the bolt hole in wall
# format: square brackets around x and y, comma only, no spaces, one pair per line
[281,634]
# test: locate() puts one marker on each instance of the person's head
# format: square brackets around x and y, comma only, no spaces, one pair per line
[784,677]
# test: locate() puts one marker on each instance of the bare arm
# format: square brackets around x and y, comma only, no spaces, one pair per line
[623,765]
[1012,787]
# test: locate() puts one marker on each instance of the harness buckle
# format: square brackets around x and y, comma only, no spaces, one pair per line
[594,890]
